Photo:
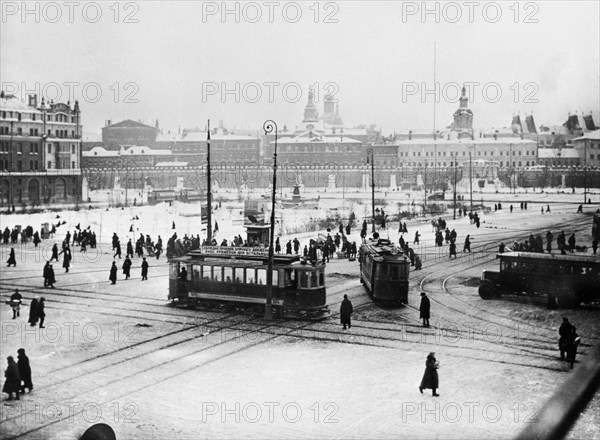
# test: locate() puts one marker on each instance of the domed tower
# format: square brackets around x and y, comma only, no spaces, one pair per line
[463,116]
[310,111]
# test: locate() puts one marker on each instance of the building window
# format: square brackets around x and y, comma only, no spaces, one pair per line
[49,165]
[73,165]
[49,148]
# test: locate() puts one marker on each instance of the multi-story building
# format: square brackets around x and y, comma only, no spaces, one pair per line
[129,132]
[588,147]
[40,152]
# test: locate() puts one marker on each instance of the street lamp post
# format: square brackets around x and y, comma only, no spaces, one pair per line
[455,185]
[270,126]
[208,190]
[471,179]
[371,158]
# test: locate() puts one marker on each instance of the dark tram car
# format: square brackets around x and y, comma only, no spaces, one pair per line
[384,271]
[237,276]
[566,280]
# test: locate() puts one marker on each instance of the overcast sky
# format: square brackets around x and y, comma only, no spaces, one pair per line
[178,56]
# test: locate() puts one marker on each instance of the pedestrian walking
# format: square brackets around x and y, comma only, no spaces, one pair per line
[54,252]
[127,267]
[547,208]
[418,264]
[51,276]
[452,249]
[66,258]
[564,331]
[144,270]
[573,342]
[12,259]
[12,384]
[416,241]
[41,311]
[580,209]
[511,208]
[33,318]
[15,303]
[24,371]
[345,312]
[430,378]
[113,273]
[424,309]
[467,246]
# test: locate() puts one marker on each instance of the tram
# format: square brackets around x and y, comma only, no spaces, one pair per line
[170,195]
[237,276]
[567,280]
[384,271]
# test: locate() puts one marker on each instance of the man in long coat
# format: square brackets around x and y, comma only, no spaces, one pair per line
[33,318]
[144,270]
[113,273]
[430,378]
[13,380]
[564,331]
[24,370]
[345,312]
[40,311]
[126,267]
[424,309]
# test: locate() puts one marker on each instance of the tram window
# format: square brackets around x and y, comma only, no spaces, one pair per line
[261,276]
[313,279]
[275,278]
[238,274]
[288,277]
[173,270]
[303,279]
[228,274]
[196,273]
[217,275]
[250,276]
[321,278]
[393,272]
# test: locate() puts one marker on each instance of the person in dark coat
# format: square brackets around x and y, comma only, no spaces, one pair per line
[51,276]
[33,318]
[54,252]
[467,246]
[15,303]
[416,241]
[46,273]
[66,258]
[12,259]
[288,247]
[13,380]
[277,246]
[24,371]
[573,342]
[345,312]
[418,263]
[430,378]
[41,311]
[126,267]
[564,331]
[424,309]
[452,249]
[144,270]
[113,273]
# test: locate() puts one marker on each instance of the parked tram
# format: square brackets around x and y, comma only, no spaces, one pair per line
[566,280]
[237,276]
[170,195]
[384,271]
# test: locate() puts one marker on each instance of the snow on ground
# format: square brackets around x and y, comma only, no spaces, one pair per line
[257,385]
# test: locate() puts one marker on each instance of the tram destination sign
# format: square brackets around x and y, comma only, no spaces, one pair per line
[234,251]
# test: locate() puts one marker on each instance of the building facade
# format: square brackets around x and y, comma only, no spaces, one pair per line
[588,147]
[40,152]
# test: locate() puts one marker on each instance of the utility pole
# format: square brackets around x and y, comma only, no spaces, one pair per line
[208,190]
[455,185]
[372,152]
[584,171]
[471,179]
[268,127]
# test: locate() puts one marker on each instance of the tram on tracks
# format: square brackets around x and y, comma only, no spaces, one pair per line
[566,280]
[237,277]
[170,195]
[384,271]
